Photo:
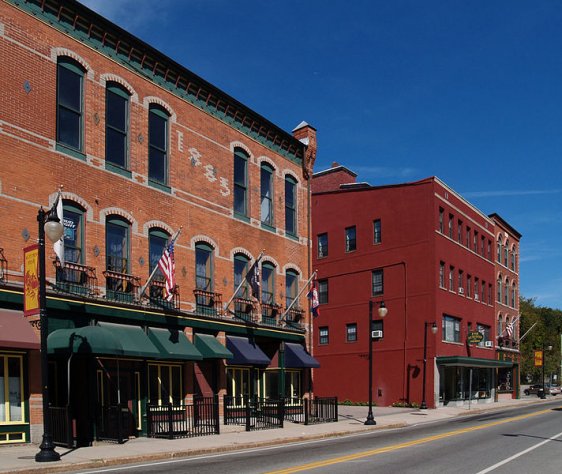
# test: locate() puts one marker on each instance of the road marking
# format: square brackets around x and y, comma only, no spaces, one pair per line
[396,447]
[515,456]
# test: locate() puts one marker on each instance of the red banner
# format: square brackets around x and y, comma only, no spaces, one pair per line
[31,280]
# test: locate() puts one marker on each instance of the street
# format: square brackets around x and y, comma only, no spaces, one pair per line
[516,441]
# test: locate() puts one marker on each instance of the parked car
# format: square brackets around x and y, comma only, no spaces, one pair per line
[549,389]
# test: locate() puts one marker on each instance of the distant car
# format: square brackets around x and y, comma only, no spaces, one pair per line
[549,389]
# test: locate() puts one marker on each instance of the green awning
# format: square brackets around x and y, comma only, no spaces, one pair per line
[210,348]
[133,339]
[461,361]
[173,344]
[84,340]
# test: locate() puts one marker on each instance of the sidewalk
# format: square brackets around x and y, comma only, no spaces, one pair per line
[21,458]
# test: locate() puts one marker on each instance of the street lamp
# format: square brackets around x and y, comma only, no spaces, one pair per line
[382,313]
[542,394]
[423,405]
[51,225]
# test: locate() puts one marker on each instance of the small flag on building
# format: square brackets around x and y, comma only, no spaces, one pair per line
[253,279]
[167,266]
[509,330]
[314,301]
[59,244]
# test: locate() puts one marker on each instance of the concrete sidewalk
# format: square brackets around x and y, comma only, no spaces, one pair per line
[21,458]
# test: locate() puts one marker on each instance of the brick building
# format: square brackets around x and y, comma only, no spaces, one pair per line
[143,147]
[430,256]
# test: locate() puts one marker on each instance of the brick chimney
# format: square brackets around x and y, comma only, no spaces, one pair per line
[306,134]
[332,178]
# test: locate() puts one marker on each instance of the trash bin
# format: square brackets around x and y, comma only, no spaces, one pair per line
[540,393]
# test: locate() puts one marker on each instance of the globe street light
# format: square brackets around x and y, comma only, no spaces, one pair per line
[423,405]
[382,313]
[51,225]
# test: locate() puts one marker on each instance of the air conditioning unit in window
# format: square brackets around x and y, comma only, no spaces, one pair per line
[461,290]
[488,344]
[376,334]
[476,298]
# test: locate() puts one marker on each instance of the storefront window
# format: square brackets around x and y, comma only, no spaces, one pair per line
[165,384]
[456,384]
[11,377]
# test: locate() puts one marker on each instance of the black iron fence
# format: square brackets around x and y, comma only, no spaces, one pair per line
[113,423]
[200,418]
[320,410]
[253,412]
[61,426]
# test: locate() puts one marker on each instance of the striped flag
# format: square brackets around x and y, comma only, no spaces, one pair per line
[59,244]
[167,266]
[314,300]
[509,329]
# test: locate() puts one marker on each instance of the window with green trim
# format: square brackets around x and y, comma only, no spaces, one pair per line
[266,194]
[204,266]
[241,263]
[73,221]
[70,104]
[290,205]
[268,283]
[241,159]
[11,389]
[291,286]
[157,240]
[117,232]
[158,144]
[116,125]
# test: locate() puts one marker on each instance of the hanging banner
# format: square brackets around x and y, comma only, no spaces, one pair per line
[31,280]
[538,358]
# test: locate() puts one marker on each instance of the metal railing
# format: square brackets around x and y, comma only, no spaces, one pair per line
[76,278]
[208,303]
[270,314]
[3,268]
[61,426]
[295,318]
[156,291]
[200,418]
[243,308]
[320,410]
[121,287]
[253,412]
[113,423]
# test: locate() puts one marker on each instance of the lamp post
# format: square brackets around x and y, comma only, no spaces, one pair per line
[542,394]
[382,313]
[423,405]
[51,225]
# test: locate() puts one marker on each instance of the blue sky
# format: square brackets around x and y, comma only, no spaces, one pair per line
[469,91]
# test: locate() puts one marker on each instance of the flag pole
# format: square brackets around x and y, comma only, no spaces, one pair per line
[145,286]
[304,287]
[523,336]
[242,281]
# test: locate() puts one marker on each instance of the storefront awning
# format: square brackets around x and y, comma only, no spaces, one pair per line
[173,344]
[296,357]
[210,348]
[104,339]
[245,352]
[16,332]
[460,361]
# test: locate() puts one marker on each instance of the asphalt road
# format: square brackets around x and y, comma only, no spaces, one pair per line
[523,440]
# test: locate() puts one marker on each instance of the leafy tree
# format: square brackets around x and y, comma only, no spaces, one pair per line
[541,327]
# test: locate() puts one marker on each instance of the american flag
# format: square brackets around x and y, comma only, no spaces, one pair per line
[509,329]
[167,266]
[314,301]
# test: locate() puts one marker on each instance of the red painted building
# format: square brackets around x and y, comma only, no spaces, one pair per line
[430,256]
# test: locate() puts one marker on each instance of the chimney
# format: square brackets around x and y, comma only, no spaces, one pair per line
[306,134]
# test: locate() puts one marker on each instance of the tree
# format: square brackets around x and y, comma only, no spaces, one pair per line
[545,332]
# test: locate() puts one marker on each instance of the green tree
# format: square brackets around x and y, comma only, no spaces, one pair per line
[540,327]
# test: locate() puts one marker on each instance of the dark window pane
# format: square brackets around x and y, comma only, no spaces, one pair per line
[70,89]
[240,170]
[157,131]
[116,113]
[157,165]
[69,128]
[116,147]
[239,200]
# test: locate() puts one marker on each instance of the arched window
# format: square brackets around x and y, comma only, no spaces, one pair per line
[241,267]
[291,286]
[73,221]
[513,253]
[241,159]
[117,232]
[506,253]
[157,240]
[204,266]
[116,125]
[499,284]
[266,187]
[158,144]
[499,250]
[513,295]
[290,205]
[268,283]
[500,326]
[506,292]
[70,104]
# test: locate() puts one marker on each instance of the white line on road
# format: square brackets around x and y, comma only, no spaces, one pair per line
[515,456]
